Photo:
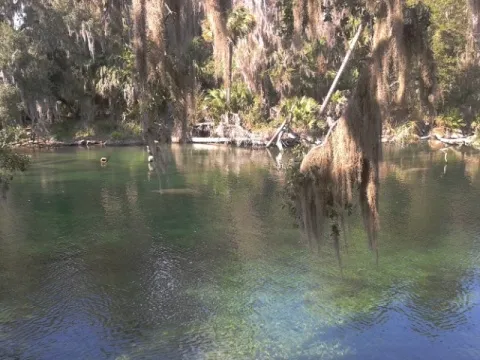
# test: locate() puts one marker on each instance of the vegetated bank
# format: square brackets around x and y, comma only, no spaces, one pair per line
[110,73]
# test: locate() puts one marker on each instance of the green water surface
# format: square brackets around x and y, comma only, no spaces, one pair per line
[94,264]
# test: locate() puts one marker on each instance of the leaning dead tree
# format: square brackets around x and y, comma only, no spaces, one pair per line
[278,134]
[344,170]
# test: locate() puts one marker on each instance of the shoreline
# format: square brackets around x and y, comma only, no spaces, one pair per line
[44,143]
[78,143]
[255,142]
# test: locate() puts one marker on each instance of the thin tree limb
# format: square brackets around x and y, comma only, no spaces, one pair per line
[353,43]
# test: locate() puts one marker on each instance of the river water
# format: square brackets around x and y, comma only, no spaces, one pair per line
[97,263]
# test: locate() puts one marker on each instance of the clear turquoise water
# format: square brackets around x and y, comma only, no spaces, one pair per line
[96,265]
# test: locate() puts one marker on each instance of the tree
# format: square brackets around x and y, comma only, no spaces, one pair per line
[240,23]
[10,162]
[349,158]
[474,33]
[72,62]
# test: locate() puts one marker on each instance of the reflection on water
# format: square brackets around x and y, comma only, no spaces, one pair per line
[95,264]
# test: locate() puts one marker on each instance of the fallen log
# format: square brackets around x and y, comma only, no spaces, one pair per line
[208,123]
[279,130]
[210,140]
[239,141]
[459,141]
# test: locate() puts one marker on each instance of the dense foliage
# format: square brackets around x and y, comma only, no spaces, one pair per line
[10,161]
[67,66]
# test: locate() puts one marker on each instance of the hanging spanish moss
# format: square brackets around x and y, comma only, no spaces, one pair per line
[473,42]
[344,170]
[113,17]
[216,12]
[314,19]
[421,57]
[390,54]
[165,82]
[139,14]
[181,27]
[254,52]
[299,13]
[155,21]
[346,166]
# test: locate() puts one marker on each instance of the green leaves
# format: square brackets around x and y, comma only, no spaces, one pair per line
[9,42]
[214,104]
[242,101]
[240,23]
[116,76]
[207,32]
[338,98]
[296,72]
[302,111]
[10,162]
[9,104]
[449,37]
[451,120]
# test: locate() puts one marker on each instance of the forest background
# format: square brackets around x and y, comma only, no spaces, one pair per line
[123,69]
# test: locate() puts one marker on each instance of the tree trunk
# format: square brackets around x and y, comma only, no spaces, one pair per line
[228,82]
[342,68]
